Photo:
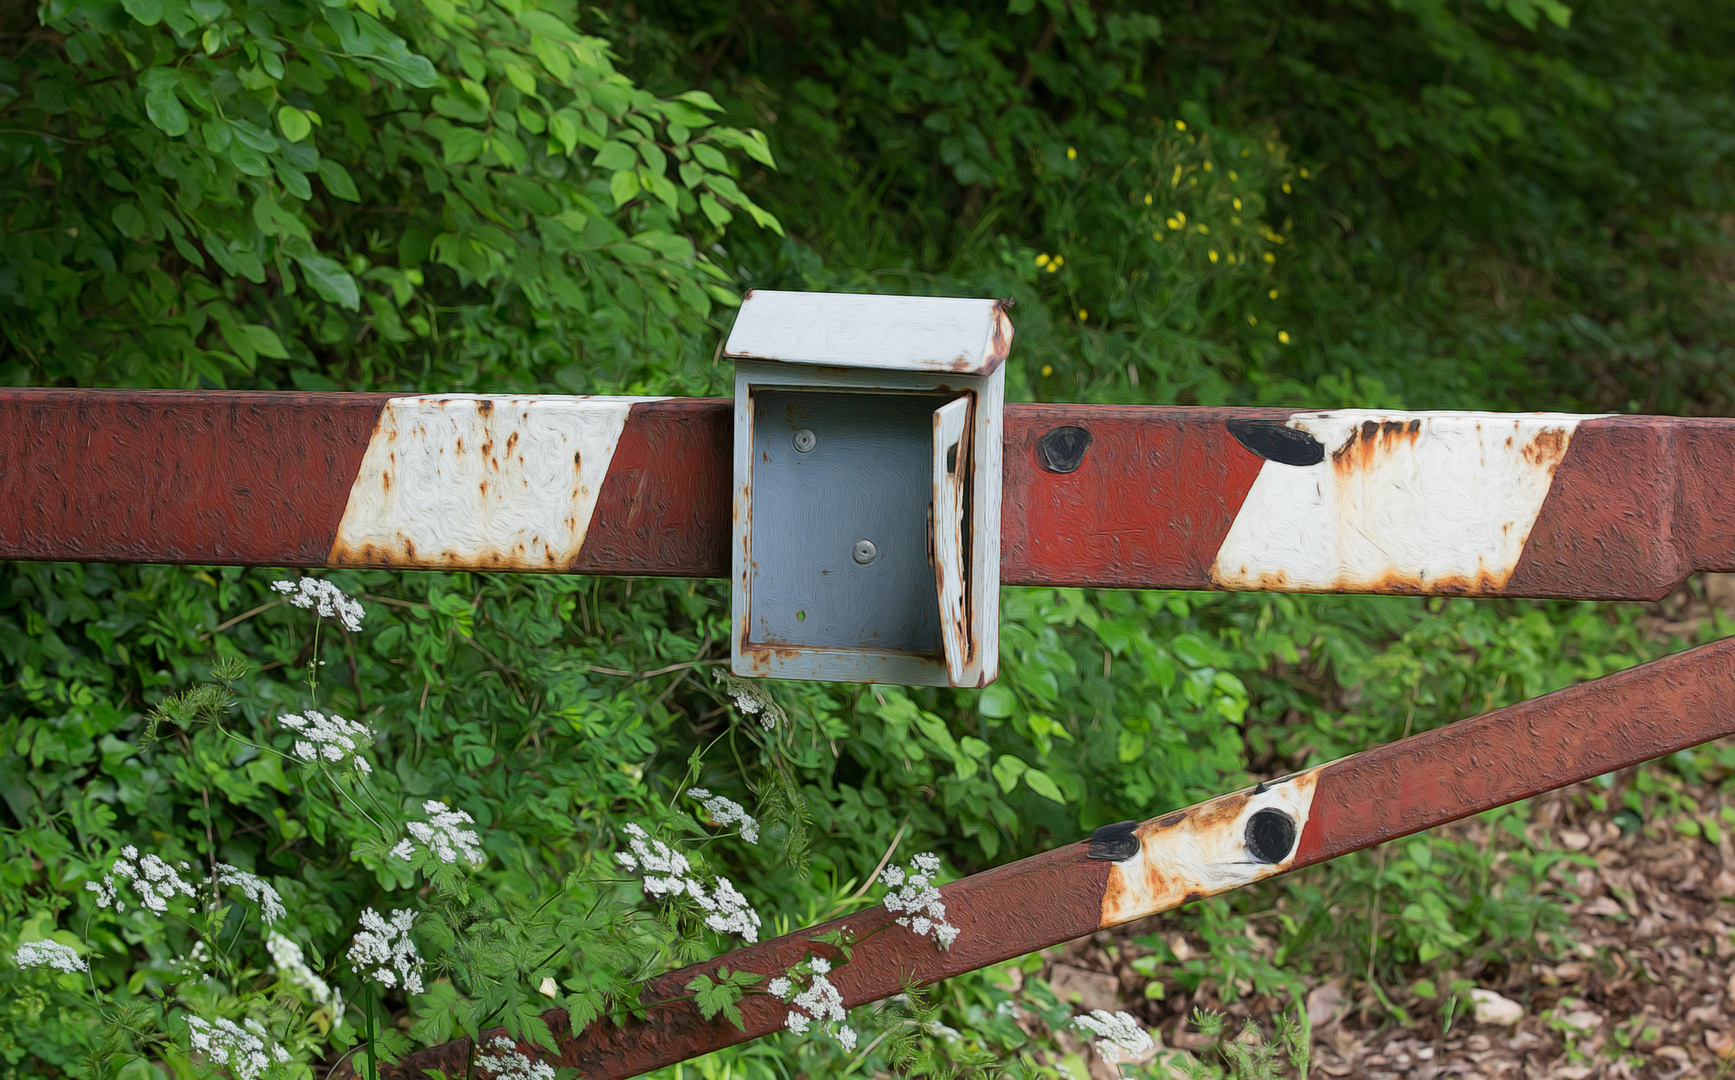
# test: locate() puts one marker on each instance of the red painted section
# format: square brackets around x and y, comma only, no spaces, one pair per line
[1148,506]
[665,508]
[1521,750]
[178,476]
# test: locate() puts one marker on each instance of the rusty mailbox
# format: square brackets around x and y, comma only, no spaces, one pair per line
[867,487]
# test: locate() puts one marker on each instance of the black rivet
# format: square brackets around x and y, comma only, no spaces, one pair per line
[1115,843]
[1061,450]
[1276,441]
[1270,836]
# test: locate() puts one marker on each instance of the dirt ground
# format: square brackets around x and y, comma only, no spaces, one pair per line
[1650,993]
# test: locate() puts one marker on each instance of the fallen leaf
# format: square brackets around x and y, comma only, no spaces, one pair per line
[1491,1008]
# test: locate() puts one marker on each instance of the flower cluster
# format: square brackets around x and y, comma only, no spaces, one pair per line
[286,955]
[1119,1036]
[255,888]
[750,699]
[385,953]
[820,1003]
[154,880]
[444,836]
[511,1064]
[917,901]
[726,811]
[668,873]
[324,597]
[246,1050]
[329,738]
[49,954]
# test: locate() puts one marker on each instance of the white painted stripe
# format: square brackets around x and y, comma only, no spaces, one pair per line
[900,333]
[480,480]
[1202,854]
[1402,502]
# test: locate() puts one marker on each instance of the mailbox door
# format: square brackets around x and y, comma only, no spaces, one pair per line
[951,483]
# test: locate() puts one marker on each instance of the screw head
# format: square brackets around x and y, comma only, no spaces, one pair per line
[805,440]
[864,552]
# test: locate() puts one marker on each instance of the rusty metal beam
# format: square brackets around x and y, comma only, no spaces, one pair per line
[1122,496]
[1128,872]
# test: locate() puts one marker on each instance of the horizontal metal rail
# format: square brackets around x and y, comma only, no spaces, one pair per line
[1482,504]
[1128,872]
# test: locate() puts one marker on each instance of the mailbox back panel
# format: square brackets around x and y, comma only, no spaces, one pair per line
[865,475]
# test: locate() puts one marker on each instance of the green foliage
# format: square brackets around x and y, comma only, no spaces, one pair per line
[1417,204]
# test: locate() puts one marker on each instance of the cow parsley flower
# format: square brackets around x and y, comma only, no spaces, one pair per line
[1119,1036]
[385,953]
[443,836]
[725,811]
[750,699]
[669,874]
[821,1003]
[325,598]
[329,739]
[52,954]
[154,880]
[510,1064]
[780,988]
[286,957]
[255,888]
[246,1048]
[917,901]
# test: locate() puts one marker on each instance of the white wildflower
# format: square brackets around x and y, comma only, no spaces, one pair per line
[49,954]
[780,988]
[286,956]
[255,888]
[444,836]
[845,1038]
[325,598]
[154,880]
[385,953]
[1119,1036]
[246,1048]
[797,1022]
[330,739]
[750,699]
[726,811]
[820,1004]
[917,900]
[510,1064]
[668,873]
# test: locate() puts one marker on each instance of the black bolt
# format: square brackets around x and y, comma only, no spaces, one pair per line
[1114,843]
[1270,836]
[1061,450]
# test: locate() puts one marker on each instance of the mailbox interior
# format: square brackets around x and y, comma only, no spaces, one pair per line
[804,606]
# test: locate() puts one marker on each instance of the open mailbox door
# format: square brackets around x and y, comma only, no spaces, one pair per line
[950,530]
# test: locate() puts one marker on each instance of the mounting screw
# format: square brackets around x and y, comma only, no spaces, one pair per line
[805,440]
[864,551]
[1270,836]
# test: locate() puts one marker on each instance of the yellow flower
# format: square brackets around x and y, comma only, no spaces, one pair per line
[1208,166]
[1083,315]
[1283,336]
[1234,219]
[1175,180]
[1047,370]
[1305,174]
[1233,175]
[1270,258]
[1286,187]
[1071,153]
[1147,199]
[1252,320]
[1272,294]
[1202,230]
[1057,261]
[1179,221]
[1213,254]
[1180,125]
[1235,202]
[1157,236]
[1246,152]
[1042,259]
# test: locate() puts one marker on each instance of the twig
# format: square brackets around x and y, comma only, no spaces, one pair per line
[886,858]
[395,602]
[245,615]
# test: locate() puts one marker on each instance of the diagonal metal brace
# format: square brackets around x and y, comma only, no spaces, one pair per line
[1131,871]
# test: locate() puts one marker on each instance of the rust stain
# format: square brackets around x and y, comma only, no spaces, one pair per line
[1546,449]
[1373,440]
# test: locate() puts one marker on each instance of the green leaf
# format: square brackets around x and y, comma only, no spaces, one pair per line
[615,156]
[714,210]
[128,220]
[165,110]
[1040,783]
[148,12]
[702,100]
[1006,772]
[330,280]
[294,123]
[337,180]
[462,144]
[549,25]
[265,341]
[623,186]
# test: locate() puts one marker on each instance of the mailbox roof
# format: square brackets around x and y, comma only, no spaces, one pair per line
[870,330]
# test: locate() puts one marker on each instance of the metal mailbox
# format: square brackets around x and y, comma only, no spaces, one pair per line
[867,487]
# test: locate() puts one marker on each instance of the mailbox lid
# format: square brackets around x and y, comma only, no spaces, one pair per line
[872,330]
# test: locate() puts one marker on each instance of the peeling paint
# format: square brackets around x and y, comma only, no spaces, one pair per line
[480,481]
[1201,851]
[1437,503]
